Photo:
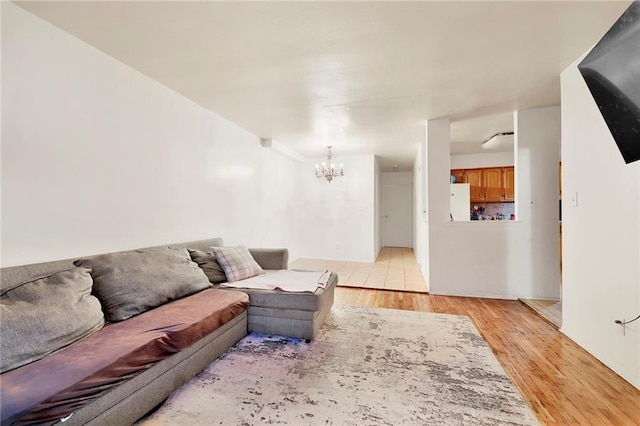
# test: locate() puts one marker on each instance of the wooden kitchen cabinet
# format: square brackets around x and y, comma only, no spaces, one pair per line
[493,184]
[509,184]
[476,186]
[490,185]
[460,175]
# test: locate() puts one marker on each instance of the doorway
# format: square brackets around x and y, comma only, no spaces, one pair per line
[397,215]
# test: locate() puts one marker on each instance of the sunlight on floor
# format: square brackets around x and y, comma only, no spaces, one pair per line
[395,269]
[550,310]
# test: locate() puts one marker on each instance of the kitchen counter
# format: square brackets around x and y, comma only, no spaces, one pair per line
[485,223]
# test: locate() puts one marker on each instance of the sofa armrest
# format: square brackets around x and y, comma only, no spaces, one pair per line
[271,258]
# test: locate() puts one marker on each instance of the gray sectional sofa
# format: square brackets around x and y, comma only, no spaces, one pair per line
[180,338]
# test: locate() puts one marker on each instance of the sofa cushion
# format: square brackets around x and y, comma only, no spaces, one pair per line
[61,383]
[237,262]
[42,316]
[132,282]
[209,265]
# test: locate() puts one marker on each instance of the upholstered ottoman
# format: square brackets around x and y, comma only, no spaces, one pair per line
[290,314]
[276,312]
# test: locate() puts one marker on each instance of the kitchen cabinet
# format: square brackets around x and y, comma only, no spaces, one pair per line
[476,186]
[493,184]
[459,175]
[509,184]
[490,185]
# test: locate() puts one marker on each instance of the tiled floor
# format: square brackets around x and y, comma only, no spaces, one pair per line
[394,269]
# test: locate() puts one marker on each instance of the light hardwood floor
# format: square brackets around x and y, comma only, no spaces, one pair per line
[561,382]
[394,269]
[551,310]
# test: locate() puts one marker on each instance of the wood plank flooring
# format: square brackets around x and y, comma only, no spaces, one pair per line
[551,310]
[561,382]
[394,269]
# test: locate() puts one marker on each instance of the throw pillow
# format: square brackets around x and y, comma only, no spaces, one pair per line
[209,265]
[237,262]
[44,315]
[132,282]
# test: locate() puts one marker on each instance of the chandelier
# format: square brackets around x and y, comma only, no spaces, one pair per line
[327,169]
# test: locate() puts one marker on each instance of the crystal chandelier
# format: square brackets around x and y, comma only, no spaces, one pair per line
[327,169]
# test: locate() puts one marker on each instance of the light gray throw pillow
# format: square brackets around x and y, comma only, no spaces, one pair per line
[44,315]
[133,282]
[237,262]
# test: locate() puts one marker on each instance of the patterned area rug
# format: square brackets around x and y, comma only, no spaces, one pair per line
[367,367]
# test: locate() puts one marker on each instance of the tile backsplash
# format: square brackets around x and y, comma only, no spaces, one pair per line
[491,210]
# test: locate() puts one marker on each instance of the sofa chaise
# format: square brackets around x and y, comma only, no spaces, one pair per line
[118,373]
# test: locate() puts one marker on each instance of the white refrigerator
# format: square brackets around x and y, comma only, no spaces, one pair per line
[460,202]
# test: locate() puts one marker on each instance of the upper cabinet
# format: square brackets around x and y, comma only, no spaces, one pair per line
[493,184]
[488,185]
[474,178]
[459,175]
[509,184]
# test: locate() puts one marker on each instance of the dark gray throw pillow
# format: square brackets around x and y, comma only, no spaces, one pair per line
[209,265]
[44,315]
[133,282]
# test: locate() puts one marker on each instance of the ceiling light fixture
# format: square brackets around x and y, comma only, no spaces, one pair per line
[499,141]
[328,170]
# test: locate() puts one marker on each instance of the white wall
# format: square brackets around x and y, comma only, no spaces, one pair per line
[97,157]
[437,184]
[420,234]
[601,234]
[487,159]
[397,178]
[537,141]
[502,259]
[377,237]
[337,220]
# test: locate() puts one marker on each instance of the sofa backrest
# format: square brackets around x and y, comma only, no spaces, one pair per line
[12,276]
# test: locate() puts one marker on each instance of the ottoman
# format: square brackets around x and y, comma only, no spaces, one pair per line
[297,315]
[276,312]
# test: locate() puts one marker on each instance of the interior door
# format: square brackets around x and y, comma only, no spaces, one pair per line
[397,215]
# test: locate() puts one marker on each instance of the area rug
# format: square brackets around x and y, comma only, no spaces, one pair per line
[367,367]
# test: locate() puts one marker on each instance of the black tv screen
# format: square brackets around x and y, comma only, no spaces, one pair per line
[612,73]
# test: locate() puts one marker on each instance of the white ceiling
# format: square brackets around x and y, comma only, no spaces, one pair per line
[361,76]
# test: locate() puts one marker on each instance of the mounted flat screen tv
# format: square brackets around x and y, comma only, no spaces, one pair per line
[612,73]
